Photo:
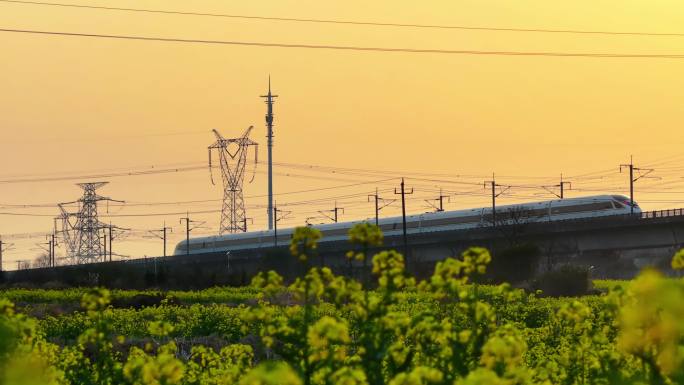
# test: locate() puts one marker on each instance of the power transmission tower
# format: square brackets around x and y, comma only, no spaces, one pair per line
[233,159]
[403,193]
[88,225]
[643,173]
[334,212]
[276,219]
[377,199]
[439,200]
[82,238]
[269,134]
[68,224]
[162,234]
[495,195]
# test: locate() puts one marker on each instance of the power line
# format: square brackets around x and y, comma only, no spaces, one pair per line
[303,202]
[152,172]
[351,48]
[96,176]
[350,22]
[107,170]
[360,172]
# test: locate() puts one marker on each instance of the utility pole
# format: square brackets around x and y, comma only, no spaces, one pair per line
[109,234]
[440,201]
[403,193]
[51,247]
[188,229]
[54,245]
[643,173]
[163,231]
[244,223]
[493,186]
[275,225]
[269,135]
[335,212]
[187,233]
[376,198]
[111,238]
[104,259]
[561,185]
[4,247]
[277,219]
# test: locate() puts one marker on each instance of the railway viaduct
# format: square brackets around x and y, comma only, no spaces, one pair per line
[612,247]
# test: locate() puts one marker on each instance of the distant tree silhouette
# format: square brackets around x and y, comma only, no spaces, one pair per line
[42,260]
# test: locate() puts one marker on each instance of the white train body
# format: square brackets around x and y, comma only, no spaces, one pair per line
[554,210]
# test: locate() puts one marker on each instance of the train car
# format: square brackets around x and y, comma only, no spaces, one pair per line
[553,210]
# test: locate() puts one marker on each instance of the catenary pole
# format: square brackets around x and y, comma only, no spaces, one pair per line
[403,193]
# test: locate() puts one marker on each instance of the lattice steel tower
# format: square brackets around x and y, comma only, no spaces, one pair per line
[233,157]
[68,231]
[83,238]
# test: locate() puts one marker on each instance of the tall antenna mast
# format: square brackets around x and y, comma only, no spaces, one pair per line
[233,158]
[269,134]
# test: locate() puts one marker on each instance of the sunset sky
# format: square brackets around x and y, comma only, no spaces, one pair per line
[78,106]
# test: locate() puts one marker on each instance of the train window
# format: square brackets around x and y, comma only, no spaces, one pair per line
[236,242]
[581,208]
[469,219]
[334,233]
[520,214]
[605,206]
[411,225]
[451,221]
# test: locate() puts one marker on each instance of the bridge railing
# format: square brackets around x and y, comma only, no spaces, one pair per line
[662,213]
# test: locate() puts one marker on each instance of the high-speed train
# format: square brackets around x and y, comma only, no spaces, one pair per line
[554,210]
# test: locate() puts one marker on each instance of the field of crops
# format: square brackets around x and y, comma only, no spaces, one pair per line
[383,328]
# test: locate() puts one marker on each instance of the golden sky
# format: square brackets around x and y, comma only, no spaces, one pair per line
[78,106]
